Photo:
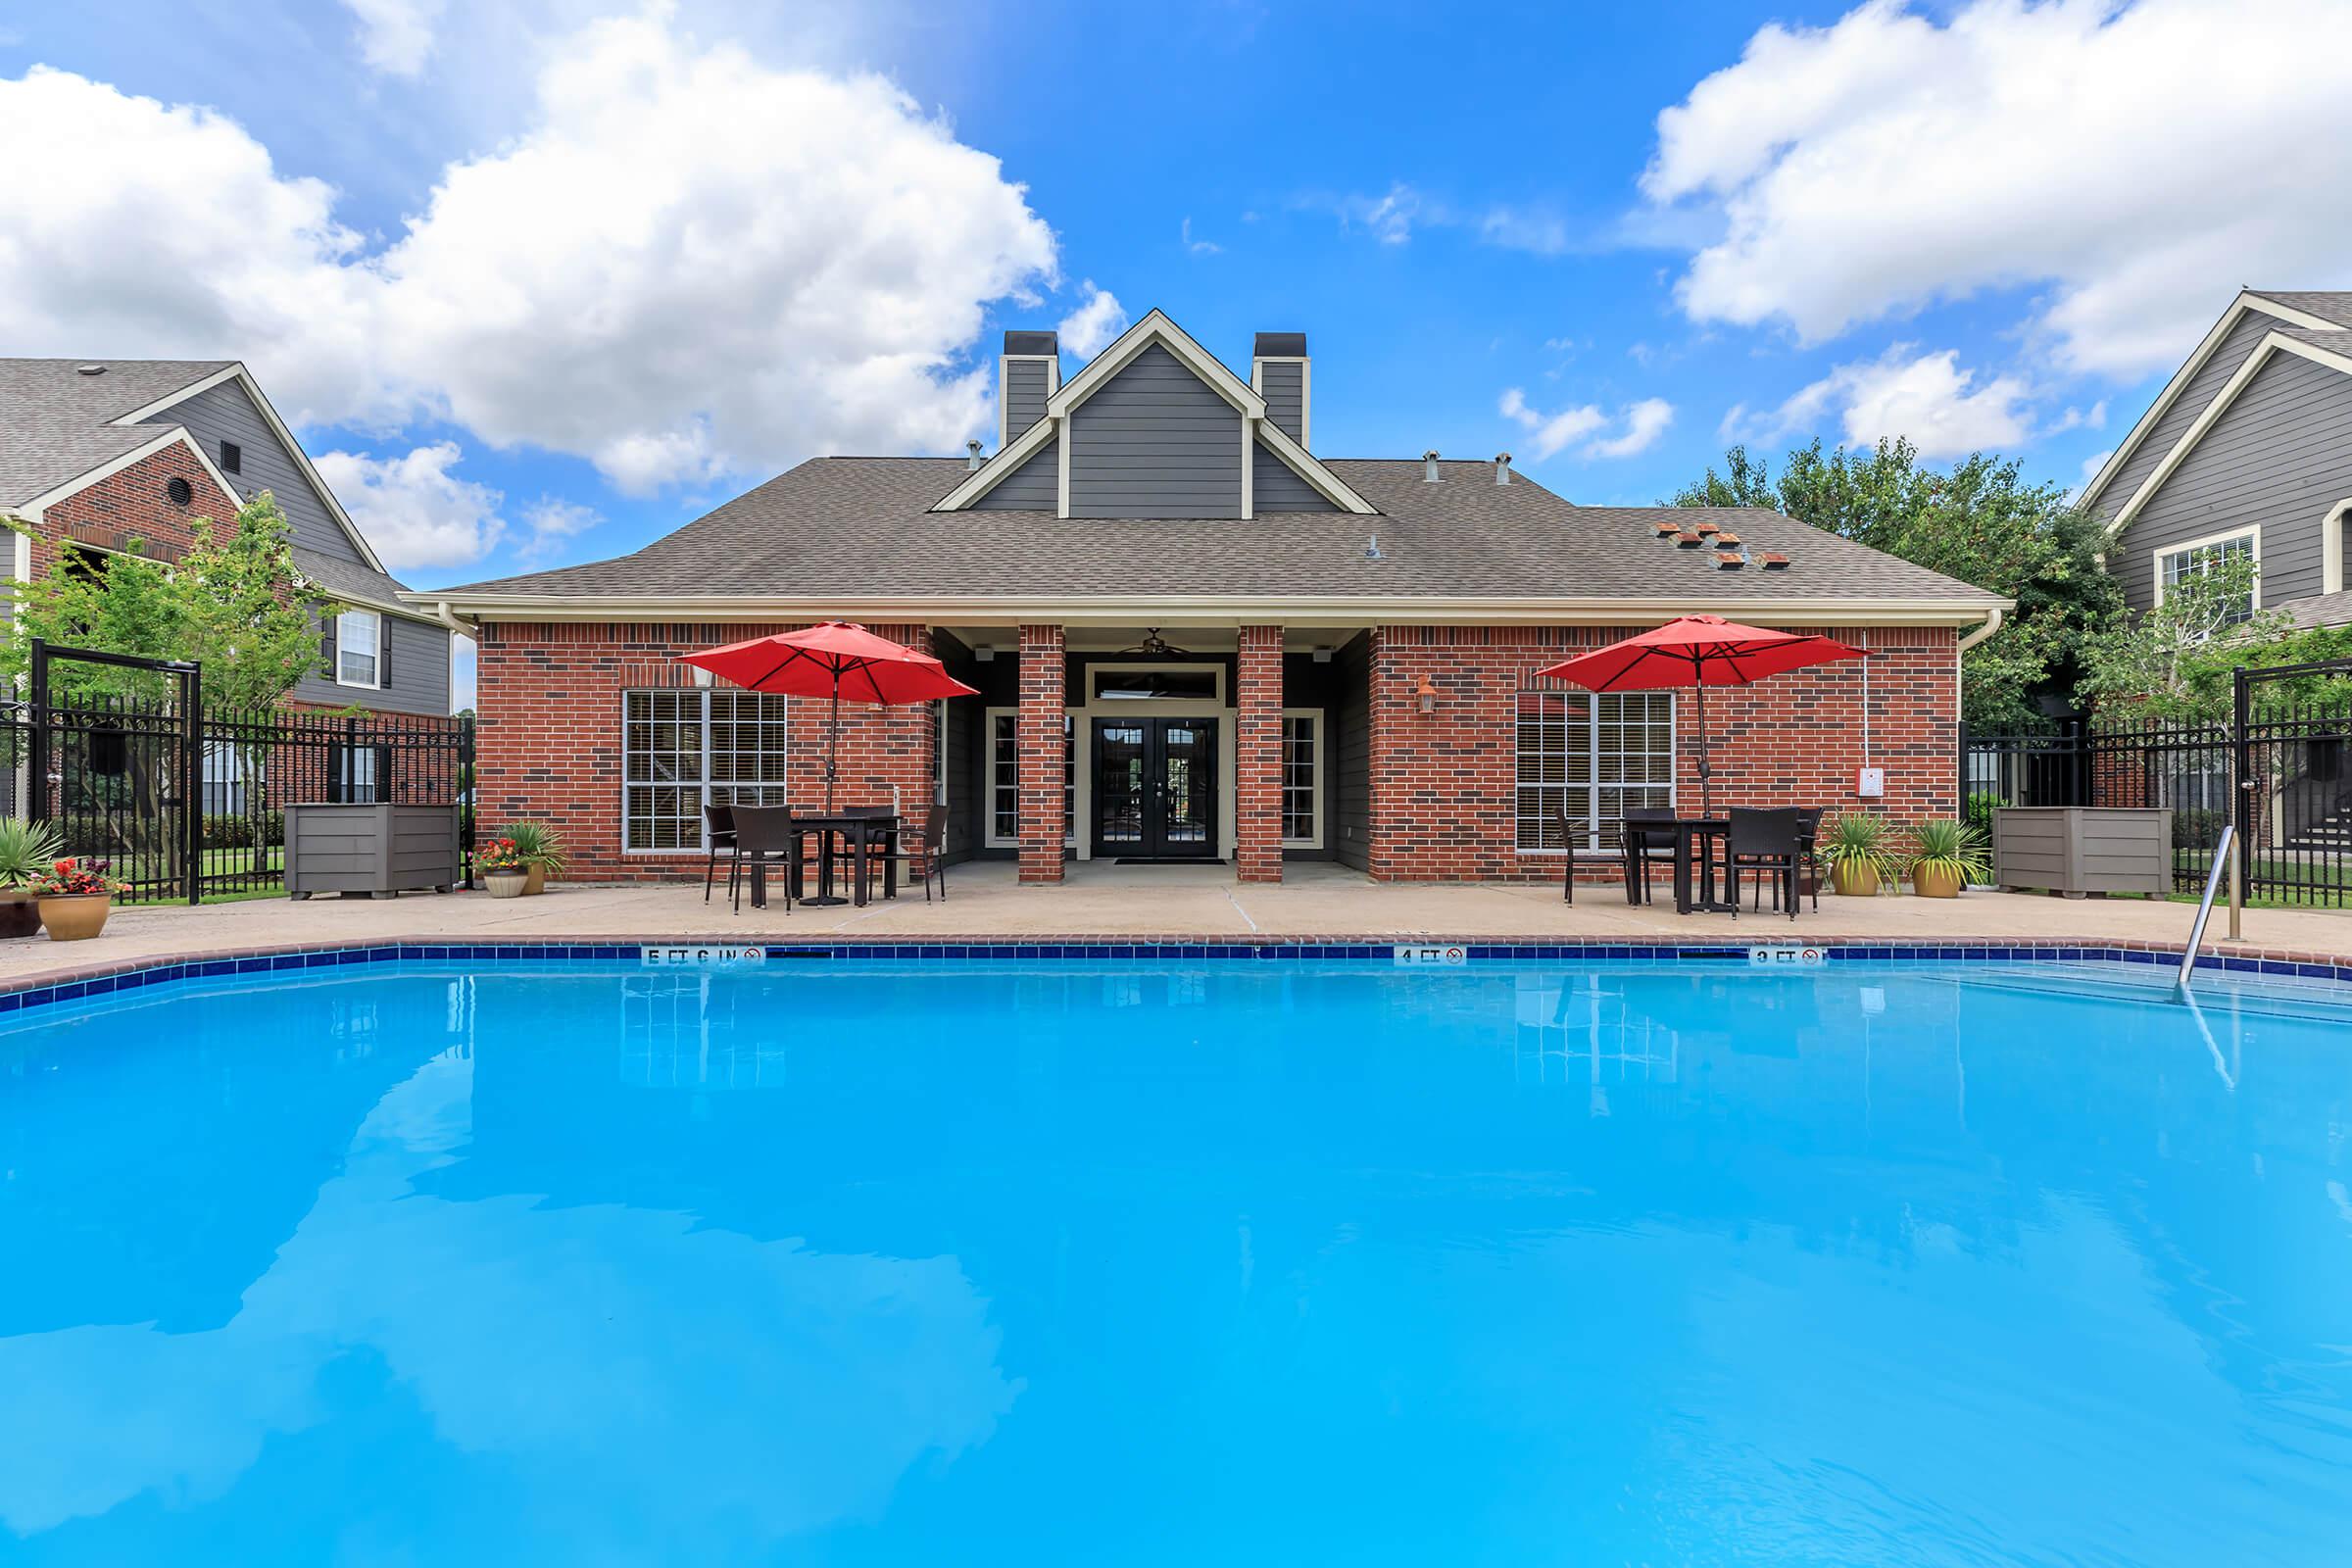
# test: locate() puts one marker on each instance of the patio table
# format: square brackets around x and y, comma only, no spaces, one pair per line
[1704,831]
[861,837]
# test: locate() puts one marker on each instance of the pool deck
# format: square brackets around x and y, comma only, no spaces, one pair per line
[1142,902]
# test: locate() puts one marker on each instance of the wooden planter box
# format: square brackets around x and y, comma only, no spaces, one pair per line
[371,849]
[2076,849]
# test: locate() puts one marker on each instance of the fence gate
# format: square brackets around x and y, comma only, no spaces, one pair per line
[2294,799]
[121,756]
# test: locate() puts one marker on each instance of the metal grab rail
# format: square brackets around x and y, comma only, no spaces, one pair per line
[2213,884]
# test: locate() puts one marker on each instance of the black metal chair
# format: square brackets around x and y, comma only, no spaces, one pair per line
[1764,842]
[1568,853]
[925,854]
[1645,838]
[765,836]
[1808,835]
[719,826]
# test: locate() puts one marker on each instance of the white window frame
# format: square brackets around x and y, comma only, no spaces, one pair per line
[701,784]
[1319,790]
[939,751]
[1590,844]
[1074,722]
[2212,541]
[344,617]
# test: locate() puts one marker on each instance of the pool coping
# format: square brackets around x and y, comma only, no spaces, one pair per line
[128,974]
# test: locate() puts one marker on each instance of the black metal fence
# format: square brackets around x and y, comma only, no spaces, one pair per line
[2278,766]
[184,801]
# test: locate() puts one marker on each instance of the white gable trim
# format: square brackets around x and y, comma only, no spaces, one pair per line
[986,477]
[285,438]
[165,435]
[1155,328]
[2271,343]
[2246,301]
[2332,546]
[1328,484]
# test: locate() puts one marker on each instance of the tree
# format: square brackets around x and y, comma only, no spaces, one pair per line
[235,602]
[1979,522]
[2177,660]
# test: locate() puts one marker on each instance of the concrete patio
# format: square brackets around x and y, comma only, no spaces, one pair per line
[1104,901]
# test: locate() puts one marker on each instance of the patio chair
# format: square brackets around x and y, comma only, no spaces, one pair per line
[765,836]
[1808,832]
[719,826]
[924,854]
[1764,842]
[1642,846]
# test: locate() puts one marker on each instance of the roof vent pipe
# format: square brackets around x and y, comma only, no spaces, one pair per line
[1503,467]
[972,457]
[1428,466]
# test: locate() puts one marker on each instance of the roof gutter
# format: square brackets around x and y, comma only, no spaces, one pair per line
[456,624]
[1127,610]
[1992,623]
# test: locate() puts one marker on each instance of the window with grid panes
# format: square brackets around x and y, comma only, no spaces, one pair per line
[683,749]
[1589,756]
[1004,777]
[1299,779]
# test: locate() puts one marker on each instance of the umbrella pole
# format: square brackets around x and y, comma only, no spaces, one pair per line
[832,742]
[1706,770]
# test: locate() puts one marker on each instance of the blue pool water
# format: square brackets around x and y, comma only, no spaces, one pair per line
[1230,1262]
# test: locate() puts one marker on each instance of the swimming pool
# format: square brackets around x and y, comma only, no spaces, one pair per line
[1170,1261]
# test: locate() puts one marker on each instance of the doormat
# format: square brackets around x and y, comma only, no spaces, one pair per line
[1170,859]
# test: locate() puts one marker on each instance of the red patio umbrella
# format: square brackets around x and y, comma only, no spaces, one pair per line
[1700,652]
[833,659]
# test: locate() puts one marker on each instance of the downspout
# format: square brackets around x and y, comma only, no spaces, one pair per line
[1992,623]
[462,626]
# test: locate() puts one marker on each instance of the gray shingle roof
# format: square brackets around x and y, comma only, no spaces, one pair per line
[2321,609]
[53,419]
[348,579]
[852,527]
[2331,305]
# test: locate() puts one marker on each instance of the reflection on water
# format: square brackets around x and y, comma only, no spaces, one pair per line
[1174,1264]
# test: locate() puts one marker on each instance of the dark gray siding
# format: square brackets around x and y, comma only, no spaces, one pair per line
[1285,392]
[2280,458]
[227,414]
[1024,395]
[1275,487]
[1034,486]
[2192,401]
[1156,441]
[419,683]
[1347,814]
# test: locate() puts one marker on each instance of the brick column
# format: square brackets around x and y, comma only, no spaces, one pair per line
[1043,696]
[1257,756]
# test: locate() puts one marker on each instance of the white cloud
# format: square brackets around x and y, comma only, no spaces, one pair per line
[1887,161]
[395,36]
[689,265]
[1388,218]
[1099,319]
[1198,247]
[552,521]
[1637,426]
[1943,410]
[413,509]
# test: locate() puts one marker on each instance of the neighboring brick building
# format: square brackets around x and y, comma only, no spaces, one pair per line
[1195,640]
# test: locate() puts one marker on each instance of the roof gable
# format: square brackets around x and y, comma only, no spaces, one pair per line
[2287,308]
[1155,330]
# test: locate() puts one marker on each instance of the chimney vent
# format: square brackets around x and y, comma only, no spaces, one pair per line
[972,454]
[1279,373]
[1428,466]
[1503,467]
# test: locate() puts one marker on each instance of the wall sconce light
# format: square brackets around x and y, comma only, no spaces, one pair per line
[1425,696]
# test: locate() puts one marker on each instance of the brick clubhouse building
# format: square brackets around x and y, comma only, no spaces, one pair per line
[1197,641]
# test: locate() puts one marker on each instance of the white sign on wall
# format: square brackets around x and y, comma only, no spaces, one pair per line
[1872,785]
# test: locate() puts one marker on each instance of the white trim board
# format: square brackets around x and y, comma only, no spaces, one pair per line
[165,435]
[2248,300]
[2271,344]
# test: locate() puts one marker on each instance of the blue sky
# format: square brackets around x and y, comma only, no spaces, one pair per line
[541,280]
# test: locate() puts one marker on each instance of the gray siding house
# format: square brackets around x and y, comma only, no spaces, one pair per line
[96,453]
[2246,452]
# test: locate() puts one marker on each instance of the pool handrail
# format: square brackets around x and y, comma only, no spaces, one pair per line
[2213,883]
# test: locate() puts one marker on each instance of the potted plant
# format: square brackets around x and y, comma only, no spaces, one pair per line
[26,849]
[1854,843]
[538,850]
[500,863]
[1945,856]
[75,897]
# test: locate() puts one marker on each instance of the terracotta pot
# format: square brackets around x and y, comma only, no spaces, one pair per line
[76,918]
[1854,879]
[535,881]
[506,884]
[20,914]
[1932,882]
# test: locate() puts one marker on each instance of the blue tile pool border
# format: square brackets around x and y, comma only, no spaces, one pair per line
[139,974]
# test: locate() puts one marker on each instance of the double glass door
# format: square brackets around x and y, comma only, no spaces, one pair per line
[1155,788]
